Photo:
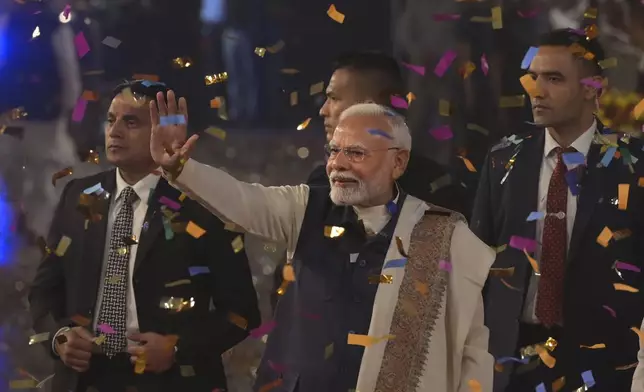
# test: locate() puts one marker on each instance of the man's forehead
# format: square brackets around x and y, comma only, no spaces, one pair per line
[364,129]
[552,58]
[127,105]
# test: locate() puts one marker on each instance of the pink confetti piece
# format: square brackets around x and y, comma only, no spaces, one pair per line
[279,368]
[416,68]
[105,328]
[170,203]
[625,266]
[445,17]
[444,63]
[442,133]
[522,243]
[263,329]
[485,67]
[398,102]
[610,310]
[79,110]
[82,47]
[528,14]
[592,83]
[445,265]
[67,10]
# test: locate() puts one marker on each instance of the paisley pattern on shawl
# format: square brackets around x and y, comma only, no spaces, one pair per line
[419,302]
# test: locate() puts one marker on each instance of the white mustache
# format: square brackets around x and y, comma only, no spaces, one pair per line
[343,177]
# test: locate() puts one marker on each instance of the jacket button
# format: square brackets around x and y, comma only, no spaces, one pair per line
[362,263]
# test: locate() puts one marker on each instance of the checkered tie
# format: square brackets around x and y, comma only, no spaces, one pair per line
[114,300]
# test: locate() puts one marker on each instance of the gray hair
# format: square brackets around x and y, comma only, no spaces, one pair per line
[399,129]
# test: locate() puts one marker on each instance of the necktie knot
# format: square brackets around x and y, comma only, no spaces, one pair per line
[129,196]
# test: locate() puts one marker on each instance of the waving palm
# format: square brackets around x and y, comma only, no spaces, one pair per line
[168,144]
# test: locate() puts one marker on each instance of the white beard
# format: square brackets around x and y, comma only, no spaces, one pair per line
[359,194]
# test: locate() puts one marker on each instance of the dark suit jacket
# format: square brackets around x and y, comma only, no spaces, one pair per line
[500,212]
[67,286]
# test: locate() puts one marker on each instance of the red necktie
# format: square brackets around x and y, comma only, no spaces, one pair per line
[554,244]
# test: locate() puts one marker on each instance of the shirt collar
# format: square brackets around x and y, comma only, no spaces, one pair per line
[143,187]
[581,144]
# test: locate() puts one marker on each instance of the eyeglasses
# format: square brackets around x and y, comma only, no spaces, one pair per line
[353,154]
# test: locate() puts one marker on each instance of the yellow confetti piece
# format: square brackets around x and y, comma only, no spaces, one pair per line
[178,283]
[622,196]
[591,13]
[176,304]
[229,226]
[333,231]
[529,85]
[550,344]
[421,287]
[279,45]
[260,51]
[23,384]
[328,351]
[475,386]
[139,364]
[81,321]
[38,338]
[533,262]
[316,88]
[114,279]
[304,124]
[558,384]
[282,289]
[238,320]
[443,107]
[293,98]
[515,101]
[194,230]
[181,62]
[625,287]
[608,63]
[546,358]
[100,339]
[468,164]
[216,132]
[638,110]
[500,249]
[187,371]
[182,196]
[604,237]
[63,244]
[288,273]
[89,95]
[481,19]
[502,272]
[594,346]
[467,69]
[410,97]
[215,78]
[385,279]
[478,128]
[60,174]
[366,340]
[497,18]
[238,244]
[335,14]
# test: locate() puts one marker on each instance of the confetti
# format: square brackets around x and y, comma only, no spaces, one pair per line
[237,244]
[522,243]
[444,63]
[216,132]
[82,47]
[60,174]
[529,84]
[333,231]
[410,97]
[497,18]
[105,328]
[515,101]
[62,246]
[536,215]
[279,45]
[533,262]
[400,247]
[625,266]
[592,83]
[178,283]
[610,310]
[475,386]
[365,340]
[215,78]
[289,71]
[139,364]
[216,102]
[238,320]
[335,14]
[445,265]
[271,385]
[608,63]
[379,132]
[625,287]
[304,124]
[590,13]
[23,384]
[588,378]
[421,287]
[111,42]
[541,388]
[468,164]
[528,14]
[293,98]
[385,279]
[198,270]
[440,182]
[38,338]
[502,272]
[79,110]
[466,70]
[594,346]
[481,19]
[573,158]
[478,128]
[114,279]
[176,119]
[67,10]
[638,110]
[500,249]
[416,68]
[316,88]
[260,51]
[622,192]
[194,230]
[528,57]
[176,303]
[443,107]
[288,273]
[328,351]
[485,66]
[604,237]
[186,371]
[558,384]
[445,17]
[263,329]
[81,321]
[442,133]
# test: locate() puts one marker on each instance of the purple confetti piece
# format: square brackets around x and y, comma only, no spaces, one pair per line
[540,388]
[625,266]
[105,328]
[445,265]
[263,329]
[379,132]
[485,67]
[572,179]
[444,63]
[79,110]
[170,203]
[592,83]
[610,310]
[398,102]
[536,215]
[397,263]
[529,55]
[198,270]
[588,378]
[82,47]
[416,68]
[442,133]
[67,10]
[445,17]
[522,243]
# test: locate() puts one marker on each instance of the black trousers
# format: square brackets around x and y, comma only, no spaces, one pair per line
[116,374]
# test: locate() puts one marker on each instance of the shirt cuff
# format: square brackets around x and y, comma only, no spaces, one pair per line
[53,340]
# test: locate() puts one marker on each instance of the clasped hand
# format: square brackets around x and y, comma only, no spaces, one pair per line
[158,351]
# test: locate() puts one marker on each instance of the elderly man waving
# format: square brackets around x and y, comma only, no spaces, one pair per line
[385,291]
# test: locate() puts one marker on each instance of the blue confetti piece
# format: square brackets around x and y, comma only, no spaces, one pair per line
[572,179]
[169,234]
[392,208]
[396,263]
[608,156]
[177,119]
[540,388]
[379,132]
[148,83]
[588,378]
[573,158]
[93,189]
[529,55]
[198,270]
[536,215]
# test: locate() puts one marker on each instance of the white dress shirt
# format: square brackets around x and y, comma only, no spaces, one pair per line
[548,164]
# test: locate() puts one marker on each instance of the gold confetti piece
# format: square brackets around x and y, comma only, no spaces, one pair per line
[139,364]
[533,262]
[625,287]
[502,272]
[289,71]
[176,303]
[443,107]
[215,78]
[194,230]
[181,62]
[410,97]
[508,285]
[638,111]
[594,346]
[591,13]
[365,340]
[23,384]
[608,63]
[468,164]
[37,338]
[260,51]
[81,321]
[215,103]
[333,231]
[546,358]
[42,245]
[216,132]
[478,128]
[475,386]
[529,85]
[233,227]
[187,371]
[328,351]
[550,344]
[178,283]
[238,320]
[238,244]
[466,70]
[621,234]
[335,14]
[293,98]
[89,95]
[182,197]
[282,289]
[130,240]
[386,279]
[421,287]
[497,18]
[622,196]
[481,19]
[316,88]
[288,273]
[63,244]
[515,101]
[400,247]
[591,31]
[304,124]
[626,367]
[114,279]
[604,237]
[279,45]
[100,339]
[122,251]
[60,174]
[92,157]
[558,384]
[500,249]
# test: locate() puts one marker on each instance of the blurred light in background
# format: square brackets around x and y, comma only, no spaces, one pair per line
[8,235]
[64,19]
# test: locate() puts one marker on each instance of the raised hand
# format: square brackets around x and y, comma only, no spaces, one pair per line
[168,144]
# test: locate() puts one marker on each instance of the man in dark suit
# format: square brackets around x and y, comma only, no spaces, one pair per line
[143,285]
[565,213]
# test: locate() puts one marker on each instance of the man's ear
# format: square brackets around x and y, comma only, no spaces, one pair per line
[400,163]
